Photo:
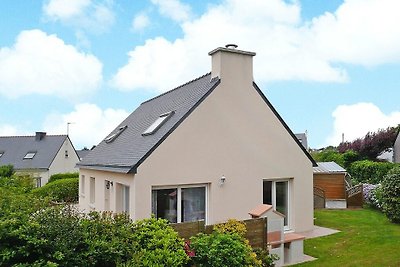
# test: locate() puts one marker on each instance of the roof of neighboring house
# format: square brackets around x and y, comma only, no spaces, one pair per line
[302,137]
[44,149]
[127,147]
[82,153]
[328,167]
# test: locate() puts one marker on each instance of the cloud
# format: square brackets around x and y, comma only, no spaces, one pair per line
[8,130]
[288,48]
[282,47]
[90,124]
[91,15]
[357,120]
[173,9]
[43,64]
[140,22]
[360,32]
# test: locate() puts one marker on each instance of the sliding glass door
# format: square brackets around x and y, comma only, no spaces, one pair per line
[276,193]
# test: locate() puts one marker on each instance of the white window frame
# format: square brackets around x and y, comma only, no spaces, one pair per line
[289,201]
[179,198]
[125,202]
[92,188]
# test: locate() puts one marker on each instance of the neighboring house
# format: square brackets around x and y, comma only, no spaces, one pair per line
[396,149]
[302,137]
[82,153]
[331,177]
[41,155]
[213,149]
[387,155]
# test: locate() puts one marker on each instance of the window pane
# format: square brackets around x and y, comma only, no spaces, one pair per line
[267,192]
[282,199]
[164,204]
[193,204]
[125,199]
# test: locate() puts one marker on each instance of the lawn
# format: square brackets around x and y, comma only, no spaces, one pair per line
[367,238]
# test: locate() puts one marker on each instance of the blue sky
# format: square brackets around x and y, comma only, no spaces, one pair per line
[328,67]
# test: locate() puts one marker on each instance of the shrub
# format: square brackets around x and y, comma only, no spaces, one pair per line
[371,195]
[369,171]
[64,190]
[222,249]
[59,176]
[390,195]
[267,260]
[6,170]
[158,244]
[232,226]
[17,183]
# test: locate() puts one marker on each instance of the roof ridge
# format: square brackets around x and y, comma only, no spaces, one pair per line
[176,88]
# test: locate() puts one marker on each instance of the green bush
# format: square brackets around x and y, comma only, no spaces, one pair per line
[64,190]
[6,170]
[221,249]
[59,176]
[390,195]
[367,171]
[267,260]
[17,183]
[158,244]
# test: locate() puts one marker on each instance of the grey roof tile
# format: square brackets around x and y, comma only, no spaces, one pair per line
[16,147]
[131,148]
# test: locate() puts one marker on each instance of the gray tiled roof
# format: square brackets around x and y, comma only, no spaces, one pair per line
[328,167]
[130,148]
[16,147]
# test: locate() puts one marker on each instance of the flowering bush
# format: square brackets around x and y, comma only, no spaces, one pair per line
[371,193]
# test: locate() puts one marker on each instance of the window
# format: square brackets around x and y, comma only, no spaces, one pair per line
[82,184]
[276,193]
[92,190]
[158,123]
[30,155]
[113,136]
[66,153]
[38,181]
[180,204]
[123,198]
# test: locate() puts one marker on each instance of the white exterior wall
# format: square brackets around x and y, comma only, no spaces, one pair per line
[100,187]
[62,164]
[396,150]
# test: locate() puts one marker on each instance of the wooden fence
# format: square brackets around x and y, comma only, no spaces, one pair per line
[256,230]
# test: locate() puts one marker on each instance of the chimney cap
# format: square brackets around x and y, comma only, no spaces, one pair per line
[231,46]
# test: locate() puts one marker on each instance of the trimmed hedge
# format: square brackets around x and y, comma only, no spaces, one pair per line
[64,190]
[59,176]
[371,172]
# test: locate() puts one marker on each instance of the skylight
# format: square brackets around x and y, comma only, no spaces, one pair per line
[113,136]
[30,155]
[1,153]
[158,123]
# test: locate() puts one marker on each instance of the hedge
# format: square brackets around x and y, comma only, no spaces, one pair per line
[59,176]
[371,172]
[64,190]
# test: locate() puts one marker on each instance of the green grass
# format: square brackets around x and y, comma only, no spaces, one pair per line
[367,238]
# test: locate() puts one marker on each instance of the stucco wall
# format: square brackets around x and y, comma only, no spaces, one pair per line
[62,164]
[396,150]
[232,133]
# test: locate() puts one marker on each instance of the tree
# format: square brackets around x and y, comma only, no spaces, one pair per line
[373,144]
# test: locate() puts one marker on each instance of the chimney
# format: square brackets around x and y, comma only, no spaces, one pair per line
[231,63]
[40,135]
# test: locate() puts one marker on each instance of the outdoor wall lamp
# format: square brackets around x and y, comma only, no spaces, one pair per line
[108,183]
[222,180]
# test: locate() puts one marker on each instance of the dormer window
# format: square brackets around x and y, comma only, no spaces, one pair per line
[30,155]
[158,123]
[113,136]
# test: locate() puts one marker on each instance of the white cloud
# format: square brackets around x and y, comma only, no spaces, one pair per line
[8,130]
[281,46]
[360,32]
[140,22]
[173,9]
[90,123]
[288,48]
[43,64]
[91,15]
[357,120]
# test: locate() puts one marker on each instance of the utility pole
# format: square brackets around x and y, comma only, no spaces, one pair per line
[68,123]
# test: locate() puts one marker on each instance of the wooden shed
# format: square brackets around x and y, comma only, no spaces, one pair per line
[330,177]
